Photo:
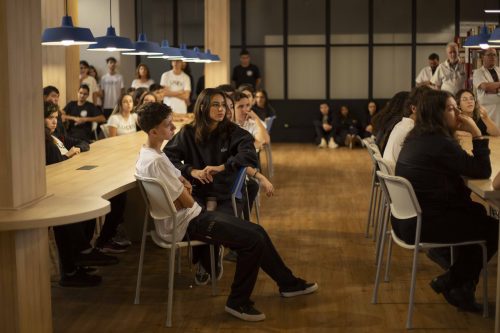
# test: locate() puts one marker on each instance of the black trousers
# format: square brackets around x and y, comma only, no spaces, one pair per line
[113,219]
[71,239]
[253,189]
[320,132]
[453,226]
[253,245]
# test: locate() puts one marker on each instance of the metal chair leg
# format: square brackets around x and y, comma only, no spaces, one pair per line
[141,258]
[370,209]
[214,272]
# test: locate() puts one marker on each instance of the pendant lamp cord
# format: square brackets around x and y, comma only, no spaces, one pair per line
[142,19]
[66,7]
[110,21]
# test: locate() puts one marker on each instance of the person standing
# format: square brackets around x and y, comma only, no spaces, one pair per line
[246,72]
[486,82]
[450,75]
[90,81]
[425,75]
[111,87]
[177,88]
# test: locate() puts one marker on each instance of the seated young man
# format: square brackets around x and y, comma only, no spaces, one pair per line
[253,245]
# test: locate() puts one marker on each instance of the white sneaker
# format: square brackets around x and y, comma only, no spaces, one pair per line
[322,144]
[332,144]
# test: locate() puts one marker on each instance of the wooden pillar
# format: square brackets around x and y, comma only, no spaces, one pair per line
[217,16]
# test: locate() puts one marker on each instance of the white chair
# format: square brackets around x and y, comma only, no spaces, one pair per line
[375,190]
[404,205]
[105,130]
[237,190]
[94,130]
[269,123]
[160,206]
[269,159]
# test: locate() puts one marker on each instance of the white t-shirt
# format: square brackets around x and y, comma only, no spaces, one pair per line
[491,102]
[425,75]
[251,126]
[123,126]
[60,145]
[155,165]
[450,79]
[176,83]
[92,83]
[396,140]
[112,86]
[136,83]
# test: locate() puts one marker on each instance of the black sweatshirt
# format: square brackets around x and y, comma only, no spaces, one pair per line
[234,152]
[434,164]
[53,154]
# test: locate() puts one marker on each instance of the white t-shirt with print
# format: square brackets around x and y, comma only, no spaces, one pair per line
[176,83]
[123,126]
[157,165]
[112,86]
[136,83]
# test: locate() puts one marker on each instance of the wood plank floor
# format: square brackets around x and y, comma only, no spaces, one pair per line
[317,220]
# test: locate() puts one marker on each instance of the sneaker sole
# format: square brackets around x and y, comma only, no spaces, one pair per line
[245,316]
[306,291]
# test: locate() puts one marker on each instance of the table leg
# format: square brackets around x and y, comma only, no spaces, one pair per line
[25,299]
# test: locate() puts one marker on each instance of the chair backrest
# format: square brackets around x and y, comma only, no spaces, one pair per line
[94,129]
[384,165]
[105,131]
[157,198]
[368,140]
[269,123]
[236,190]
[404,202]
[373,150]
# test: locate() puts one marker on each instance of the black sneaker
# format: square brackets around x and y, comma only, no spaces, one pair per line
[300,288]
[95,258]
[201,277]
[112,247]
[245,312]
[461,297]
[79,279]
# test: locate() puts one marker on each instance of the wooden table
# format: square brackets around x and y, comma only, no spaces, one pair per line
[77,190]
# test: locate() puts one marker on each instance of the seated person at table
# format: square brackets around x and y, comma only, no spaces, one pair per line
[402,128]
[248,120]
[384,121]
[72,240]
[51,94]
[434,163]
[470,107]
[123,120]
[262,107]
[367,127]
[253,245]
[345,128]
[80,114]
[157,90]
[323,125]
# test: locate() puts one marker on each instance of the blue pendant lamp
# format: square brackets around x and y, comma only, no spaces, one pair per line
[213,57]
[168,52]
[111,42]
[67,34]
[478,41]
[203,58]
[188,55]
[495,36]
[142,46]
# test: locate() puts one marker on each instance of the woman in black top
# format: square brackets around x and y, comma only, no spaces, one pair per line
[345,128]
[367,127]
[434,163]
[262,107]
[470,107]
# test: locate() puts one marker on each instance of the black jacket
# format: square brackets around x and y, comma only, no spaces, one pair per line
[52,153]
[235,152]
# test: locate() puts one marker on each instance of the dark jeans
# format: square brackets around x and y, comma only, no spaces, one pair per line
[113,219]
[71,239]
[320,132]
[253,245]
[453,226]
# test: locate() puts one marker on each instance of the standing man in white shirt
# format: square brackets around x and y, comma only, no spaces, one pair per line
[177,88]
[425,75]
[450,75]
[111,87]
[486,81]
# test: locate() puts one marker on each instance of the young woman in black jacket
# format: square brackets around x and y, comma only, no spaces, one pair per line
[434,163]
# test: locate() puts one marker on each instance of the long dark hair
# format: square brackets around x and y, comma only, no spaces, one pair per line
[263,92]
[475,113]
[384,121]
[48,109]
[202,121]
[430,115]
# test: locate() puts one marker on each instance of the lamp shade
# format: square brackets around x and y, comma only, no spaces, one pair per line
[188,55]
[67,34]
[478,41]
[213,57]
[168,52]
[112,42]
[143,47]
[495,36]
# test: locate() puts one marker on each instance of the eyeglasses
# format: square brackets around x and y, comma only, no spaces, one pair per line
[465,99]
[218,105]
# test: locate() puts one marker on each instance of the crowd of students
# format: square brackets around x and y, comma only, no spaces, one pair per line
[418,133]
[198,165]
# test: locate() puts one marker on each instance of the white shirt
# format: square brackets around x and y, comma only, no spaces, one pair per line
[136,83]
[251,126]
[60,145]
[123,126]
[450,79]
[396,140]
[176,83]
[425,75]
[155,165]
[491,102]
[112,86]
[92,83]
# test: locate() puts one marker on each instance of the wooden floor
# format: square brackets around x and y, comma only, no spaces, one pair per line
[317,220]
